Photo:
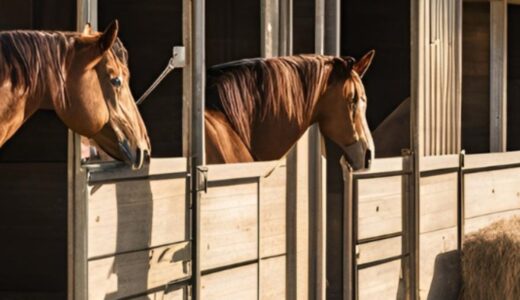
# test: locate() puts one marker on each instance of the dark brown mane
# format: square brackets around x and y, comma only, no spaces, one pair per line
[252,89]
[28,57]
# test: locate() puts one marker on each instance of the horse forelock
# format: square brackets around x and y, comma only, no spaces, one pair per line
[256,89]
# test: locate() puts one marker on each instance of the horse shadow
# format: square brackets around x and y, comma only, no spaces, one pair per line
[447,279]
[132,266]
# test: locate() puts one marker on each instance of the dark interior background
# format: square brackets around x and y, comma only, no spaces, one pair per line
[232,30]
[513,78]
[149,41]
[33,179]
[376,24]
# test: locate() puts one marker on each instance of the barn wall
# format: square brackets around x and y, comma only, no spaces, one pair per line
[33,180]
[475,77]
[513,80]
[149,30]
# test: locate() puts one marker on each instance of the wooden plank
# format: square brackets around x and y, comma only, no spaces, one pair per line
[493,191]
[498,78]
[273,213]
[242,170]
[439,273]
[472,161]
[373,251]
[439,162]
[110,171]
[438,207]
[383,165]
[180,293]
[134,273]
[379,206]
[380,282]
[229,224]
[133,215]
[273,278]
[476,223]
[237,283]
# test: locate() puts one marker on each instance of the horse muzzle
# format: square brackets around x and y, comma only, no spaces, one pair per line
[358,155]
[136,158]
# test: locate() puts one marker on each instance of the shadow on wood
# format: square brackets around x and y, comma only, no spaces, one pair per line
[446,281]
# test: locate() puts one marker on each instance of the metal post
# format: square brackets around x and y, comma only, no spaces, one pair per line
[197,145]
[418,49]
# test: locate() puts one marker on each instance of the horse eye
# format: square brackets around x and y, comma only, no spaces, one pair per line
[116,81]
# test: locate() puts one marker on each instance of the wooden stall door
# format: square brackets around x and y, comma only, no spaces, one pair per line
[243,232]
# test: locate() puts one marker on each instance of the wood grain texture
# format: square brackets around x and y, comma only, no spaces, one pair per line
[379,207]
[238,283]
[472,161]
[439,273]
[273,213]
[133,273]
[110,171]
[380,282]
[386,248]
[491,192]
[476,223]
[439,196]
[134,215]
[229,224]
[273,278]
[176,294]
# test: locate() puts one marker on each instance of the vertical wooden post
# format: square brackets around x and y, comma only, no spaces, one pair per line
[197,69]
[269,28]
[498,78]
[316,181]
[77,206]
[419,36]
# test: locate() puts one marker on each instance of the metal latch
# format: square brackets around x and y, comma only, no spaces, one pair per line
[202,179]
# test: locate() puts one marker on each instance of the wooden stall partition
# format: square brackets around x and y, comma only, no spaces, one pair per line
[491,187]
[244,231]
[376,239]
[438,223]
[138,228]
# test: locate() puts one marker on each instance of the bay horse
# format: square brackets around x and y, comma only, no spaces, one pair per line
[83,77]
[256,109]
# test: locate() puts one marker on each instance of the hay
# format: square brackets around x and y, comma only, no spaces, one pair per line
[491,262]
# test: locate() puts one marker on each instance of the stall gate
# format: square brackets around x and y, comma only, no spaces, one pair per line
[459,194]
[138,231]
[243,232]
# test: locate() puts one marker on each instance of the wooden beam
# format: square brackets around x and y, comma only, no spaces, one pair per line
[77,207]
[498,77]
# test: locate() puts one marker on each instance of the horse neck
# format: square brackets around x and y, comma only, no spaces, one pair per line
[273,136]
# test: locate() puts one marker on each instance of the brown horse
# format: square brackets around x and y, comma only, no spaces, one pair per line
[258,108]
[83,77]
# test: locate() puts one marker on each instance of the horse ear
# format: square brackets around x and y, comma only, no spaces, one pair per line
[108,37]
[362,65]
[87,30]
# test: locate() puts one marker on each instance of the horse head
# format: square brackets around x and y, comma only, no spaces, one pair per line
[99,103]
[341,113]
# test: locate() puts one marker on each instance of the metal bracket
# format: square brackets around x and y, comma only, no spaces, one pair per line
[178,60]
[202,179]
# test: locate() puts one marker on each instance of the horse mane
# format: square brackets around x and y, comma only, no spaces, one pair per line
[29,57]
[252,89]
